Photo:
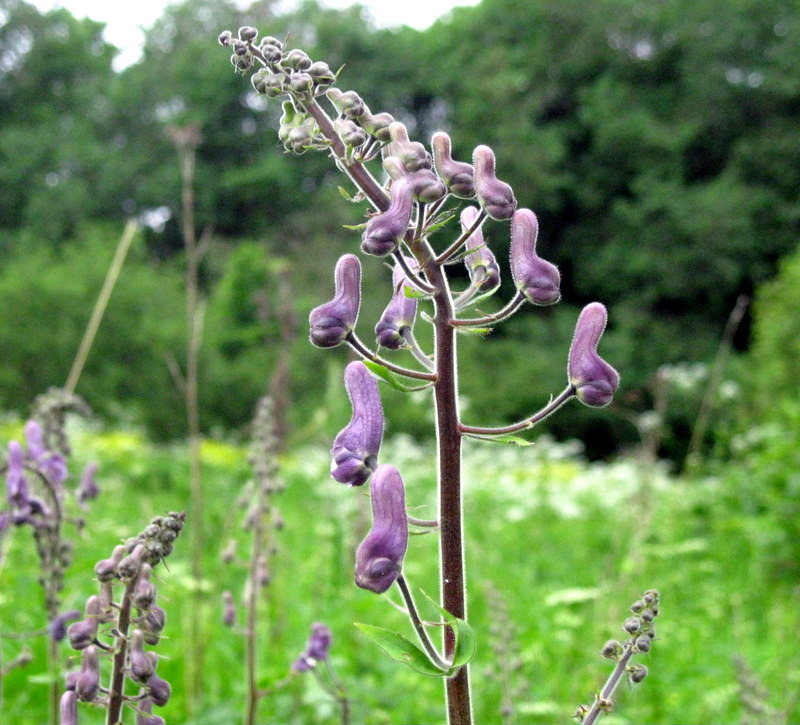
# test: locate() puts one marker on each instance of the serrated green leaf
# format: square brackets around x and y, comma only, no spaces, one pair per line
[401,649]
[389,377]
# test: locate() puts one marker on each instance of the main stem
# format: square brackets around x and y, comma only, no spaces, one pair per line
[451,547]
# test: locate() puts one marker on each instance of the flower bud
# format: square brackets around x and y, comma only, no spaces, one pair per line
[144,713]
[57,627]
[348,103]
[87,683]
[332,322]
[297,59]
[355,448]
[106,569]
[301,83]
[458,176]
[594,379]
[316,648]
[643,643]
[480,263]
[379,557]
[247,33]
[385,231]
[349,131]
[159,690]
[68,709]
[152,624]
[229,612]
[426,186]
[399,314]
[612,649]
[50,464]
[88,489]
[129,566]
[272,50]
[81,634]
[377,125]
[537,279]
[638,673]
[225,38]
[413,155]
[632,625]
[496,197]
[322,74]
[144,593]
[140,664]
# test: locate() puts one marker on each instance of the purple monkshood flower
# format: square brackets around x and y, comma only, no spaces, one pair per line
[427,187]
[379,557]
[57,628]
[538,280]
[480,260]
[457,176]
[332,322]
[317,648]
[355,449]
[16,484]
[496,197]
[399,313]
[68,708]
[88,489]
[594,379]
[386,230]
[50,464]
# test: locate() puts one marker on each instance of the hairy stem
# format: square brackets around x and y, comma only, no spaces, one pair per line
[608,689]
[117,689]
[419,627]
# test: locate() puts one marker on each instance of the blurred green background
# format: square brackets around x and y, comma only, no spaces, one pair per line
[658,144]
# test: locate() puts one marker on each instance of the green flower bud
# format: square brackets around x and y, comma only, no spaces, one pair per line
[348,103]
[612,649]
[350,132]
[377,125]
[322,74]
[297,59]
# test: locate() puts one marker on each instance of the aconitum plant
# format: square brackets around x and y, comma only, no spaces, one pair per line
[413,192]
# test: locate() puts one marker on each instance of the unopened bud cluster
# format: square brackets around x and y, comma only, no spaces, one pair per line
[640,632]
[118,629]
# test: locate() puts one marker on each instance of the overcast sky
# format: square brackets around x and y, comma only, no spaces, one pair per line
[125,17]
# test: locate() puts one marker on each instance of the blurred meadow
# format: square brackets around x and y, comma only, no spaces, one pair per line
[657,143]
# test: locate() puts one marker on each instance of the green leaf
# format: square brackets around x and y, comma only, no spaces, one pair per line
[413,293]
[389,377]
[507,439]
[440,221]
[355,227]
[401,649]
[474,330]
[466,640]
[345,193]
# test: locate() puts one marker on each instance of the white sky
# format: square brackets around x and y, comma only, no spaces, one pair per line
[124,19]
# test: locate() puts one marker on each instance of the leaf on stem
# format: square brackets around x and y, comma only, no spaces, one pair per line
[466,640]
[507,439]
[389,377]
[401,649]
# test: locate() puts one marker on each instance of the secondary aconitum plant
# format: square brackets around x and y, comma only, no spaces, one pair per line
[411,194]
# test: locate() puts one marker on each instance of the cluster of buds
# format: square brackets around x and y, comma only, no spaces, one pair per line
[640,632]
[119,630]
[317,648]
[37,493]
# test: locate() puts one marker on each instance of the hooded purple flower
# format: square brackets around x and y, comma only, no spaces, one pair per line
[386,230]
[87,683]
[412,154]
[68,709]
[457,176]
[57,628]
[16,484]
[50,464]
[594,379]
[427,187]
[332,322]
[496,197]
[481,261]
[399,313]
[317,647]
[537,279]
[88,489]
[379,557]
[355,448]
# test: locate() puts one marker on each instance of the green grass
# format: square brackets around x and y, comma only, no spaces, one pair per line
[568,546]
